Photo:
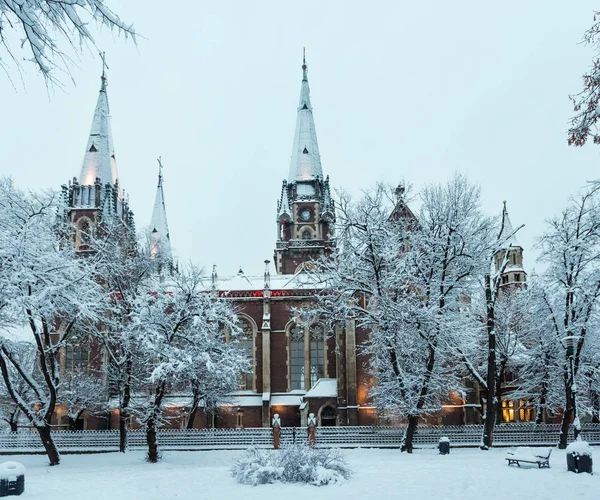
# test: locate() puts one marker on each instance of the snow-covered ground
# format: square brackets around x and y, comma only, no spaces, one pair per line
[382,474]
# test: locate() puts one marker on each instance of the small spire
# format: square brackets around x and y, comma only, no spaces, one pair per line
[507,234]
[267,275]
[214,277]
[159,228]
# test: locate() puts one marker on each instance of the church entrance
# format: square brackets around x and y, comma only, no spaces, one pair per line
[328,416]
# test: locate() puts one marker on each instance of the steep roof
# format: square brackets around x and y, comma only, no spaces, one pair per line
[306,159]
[507,233]
[159,228]
[99,160]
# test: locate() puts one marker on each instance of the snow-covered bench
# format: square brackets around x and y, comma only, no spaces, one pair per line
[525,454]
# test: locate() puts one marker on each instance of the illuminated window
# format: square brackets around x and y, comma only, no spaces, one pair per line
[239,421]
[245,342]
[526,411]
[297,357]
[508,411]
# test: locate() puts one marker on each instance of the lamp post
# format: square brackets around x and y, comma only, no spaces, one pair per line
[570,344]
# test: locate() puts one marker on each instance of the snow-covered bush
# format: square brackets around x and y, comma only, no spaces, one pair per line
[291,464]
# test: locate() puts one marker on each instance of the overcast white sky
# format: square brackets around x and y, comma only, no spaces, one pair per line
[401,90]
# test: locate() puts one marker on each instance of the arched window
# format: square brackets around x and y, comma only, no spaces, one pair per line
[297,357]
[317,352]
[77,356]
[306,234]
[245,342]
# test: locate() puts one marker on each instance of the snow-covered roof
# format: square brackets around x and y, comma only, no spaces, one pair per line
[99,160]
[287,399]
[243,282]
[244,398]
[159,229]
[324,388]
[306,159]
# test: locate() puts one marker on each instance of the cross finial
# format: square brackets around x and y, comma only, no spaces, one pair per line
[104,66]
[160,168]
[304,58]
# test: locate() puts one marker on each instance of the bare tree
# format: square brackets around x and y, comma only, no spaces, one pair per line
[45,28]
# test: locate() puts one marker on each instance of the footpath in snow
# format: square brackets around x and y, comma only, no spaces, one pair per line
[382,474]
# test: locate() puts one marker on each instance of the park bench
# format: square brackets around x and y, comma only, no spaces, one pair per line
[525,454]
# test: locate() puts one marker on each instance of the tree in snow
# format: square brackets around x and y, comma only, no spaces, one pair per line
[180,326]
[538,359]
[45,28]
[407,280]
[81,392]
[571,249]
[45,286]
[10,411]
[126,271]
[494,314]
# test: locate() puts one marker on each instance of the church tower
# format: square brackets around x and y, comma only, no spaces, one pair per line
[514,274]
[95,195]
[305,211]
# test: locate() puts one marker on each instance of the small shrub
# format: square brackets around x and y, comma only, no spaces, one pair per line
[291,464]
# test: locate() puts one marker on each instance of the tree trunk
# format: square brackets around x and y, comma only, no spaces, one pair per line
[491,402]
[123,428]
[410,433]
[152,441]
[566,419]
[49,446]
[193,409]
[152,421]
[414,419]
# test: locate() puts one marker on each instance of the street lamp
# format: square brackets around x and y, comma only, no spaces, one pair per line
[570,344]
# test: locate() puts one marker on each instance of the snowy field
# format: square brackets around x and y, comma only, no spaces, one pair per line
[464,474]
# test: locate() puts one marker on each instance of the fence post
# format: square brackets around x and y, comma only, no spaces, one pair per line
[312,422]
[276,426]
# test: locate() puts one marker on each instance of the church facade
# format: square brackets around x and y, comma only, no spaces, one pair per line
[297,369]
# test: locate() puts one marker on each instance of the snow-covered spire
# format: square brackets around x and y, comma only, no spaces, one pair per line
[506,237]
[306,160]
[99,160]
[159,229]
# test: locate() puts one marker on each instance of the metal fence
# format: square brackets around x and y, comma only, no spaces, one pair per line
[343,437]
[169,439]
[460,435]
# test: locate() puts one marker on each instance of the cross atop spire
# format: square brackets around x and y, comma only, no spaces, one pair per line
[99,160]
[104,66]
[306,159]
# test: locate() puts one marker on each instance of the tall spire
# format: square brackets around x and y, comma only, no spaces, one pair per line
[507,234]
[306,160]
[160,239]
[99,160]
